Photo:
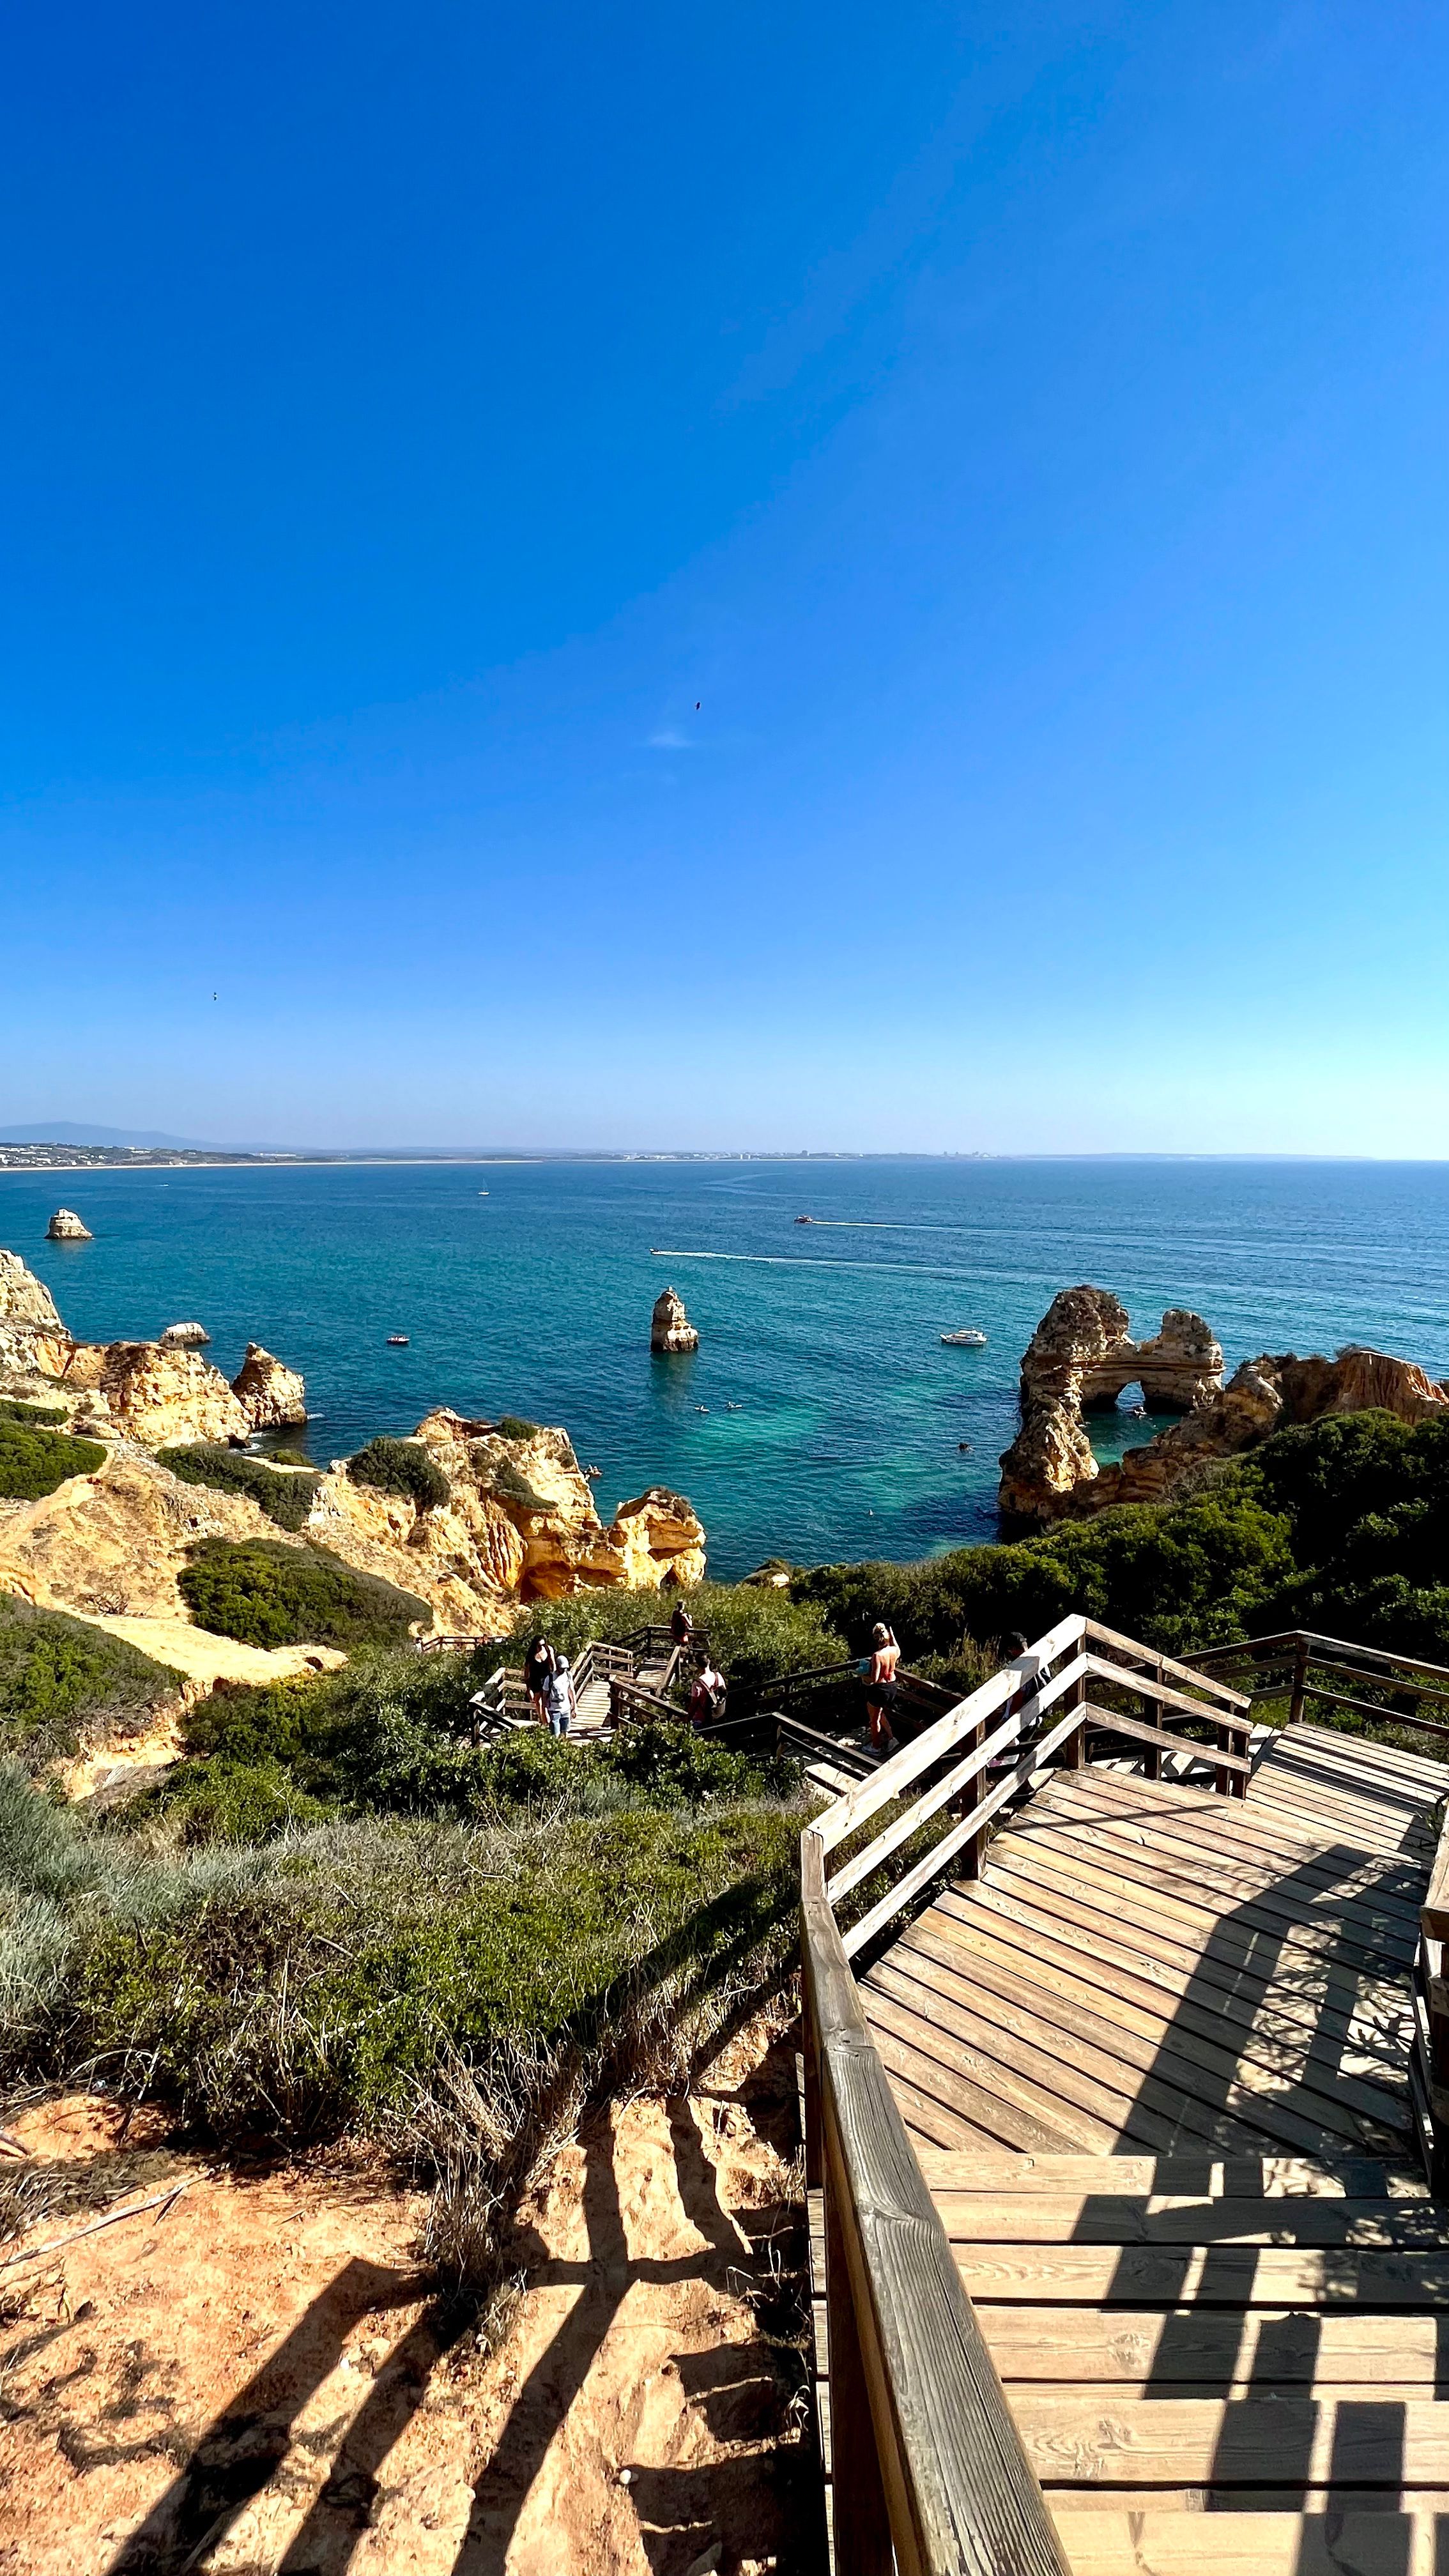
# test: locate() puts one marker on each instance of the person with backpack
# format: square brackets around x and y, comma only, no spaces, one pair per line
[706,1695]
[560,1698]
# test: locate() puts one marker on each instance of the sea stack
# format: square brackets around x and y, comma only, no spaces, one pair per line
[65,1227]
[184,1337]
[670,1328]
[269,1393]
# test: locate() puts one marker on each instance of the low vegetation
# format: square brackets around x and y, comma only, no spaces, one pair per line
[1341,1525]
[13,1408]
[400,1467]
[34,1460]
[754,1631]
[266,1593]
[284,1494]
[64,1683]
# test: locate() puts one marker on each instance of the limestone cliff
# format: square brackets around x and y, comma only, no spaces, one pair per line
[32,1336]
[270,1394]
[155,1394]
[1081,1356]
[66,1227]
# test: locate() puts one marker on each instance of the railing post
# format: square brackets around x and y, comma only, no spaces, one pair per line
[860,2518]
[1074,1751]
[971,1797]
[1300,1680]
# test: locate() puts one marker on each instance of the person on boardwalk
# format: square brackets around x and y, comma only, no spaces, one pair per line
[560,1698]
[706,1695]
[681,1628]
[538,1670]
[878,1674]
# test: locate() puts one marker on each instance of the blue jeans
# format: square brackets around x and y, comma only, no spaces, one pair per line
[558,1721]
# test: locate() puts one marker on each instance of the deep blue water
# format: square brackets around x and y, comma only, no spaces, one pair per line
[535,1300]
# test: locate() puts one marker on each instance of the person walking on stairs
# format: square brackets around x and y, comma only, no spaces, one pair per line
[561,1699]
[878,1673]
[538,1672]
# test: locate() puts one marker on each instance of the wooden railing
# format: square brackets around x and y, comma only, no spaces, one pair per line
[1429,2066]
[1307,1670]
[930,2477]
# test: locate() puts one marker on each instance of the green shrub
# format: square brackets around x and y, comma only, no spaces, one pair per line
[511,1485]
[284,1496]
[13,1409]
[511,1426]
[400,1467]
[310,1983]
[266,1593]
[63,1682]
[34,1462]
[216,1802]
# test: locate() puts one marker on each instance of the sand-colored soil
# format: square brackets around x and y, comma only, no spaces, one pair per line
[258,2379]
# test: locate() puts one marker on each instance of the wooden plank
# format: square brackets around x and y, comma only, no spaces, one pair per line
[941,2062]
[936,2131]
[1104,2217]
[1254,2443]
[1423,1766]
[1374,1887]
[1201,2173]
[957,2485]
[1069,2041]
[1164,1663]
[1152,2104]
[1059,2346]
[1253,1840]
[1155,2540]
[1360,1758]
[1435,1913]
[1112,1859]
[1294,1758]
[1217,1952]
[971,1953]
[1205,2276]
[956,2099]
[1256,2019]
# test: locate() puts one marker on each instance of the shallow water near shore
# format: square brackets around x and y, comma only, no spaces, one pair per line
[534,1299]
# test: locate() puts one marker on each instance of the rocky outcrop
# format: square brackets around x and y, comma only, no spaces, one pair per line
[661,1539]
[669,1327]
[32,1337]
[184,1337]
[1082,1355]
[144,1392]
[65,1227]
[113,1544]
[270,1394]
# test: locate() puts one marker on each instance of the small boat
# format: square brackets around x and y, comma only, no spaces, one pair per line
[968,1340]
[734,1408]
[593,1472]
[807,1220]
[397,1341]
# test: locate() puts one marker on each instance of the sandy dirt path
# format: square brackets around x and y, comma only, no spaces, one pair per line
[257,2379]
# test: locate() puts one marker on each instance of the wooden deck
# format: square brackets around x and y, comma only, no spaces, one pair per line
[1154,2064]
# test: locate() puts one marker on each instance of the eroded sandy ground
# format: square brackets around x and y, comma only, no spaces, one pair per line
[256,2378]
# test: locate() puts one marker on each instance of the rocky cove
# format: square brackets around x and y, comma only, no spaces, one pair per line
[512,1518]
[1082,1357]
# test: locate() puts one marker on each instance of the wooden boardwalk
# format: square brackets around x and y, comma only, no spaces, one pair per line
[1154,2065]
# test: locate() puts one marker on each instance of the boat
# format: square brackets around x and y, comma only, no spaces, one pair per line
[968,1339]
[807,1220]
[397,1341]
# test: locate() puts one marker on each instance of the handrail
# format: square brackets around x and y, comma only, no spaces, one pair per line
[1302,1653]
[930,2477]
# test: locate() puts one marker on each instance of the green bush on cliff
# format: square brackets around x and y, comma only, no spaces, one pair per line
[400,1467]
[266,1593]
[14,1409]
[63,1682]
[283,1494]
[308,1984]
[33,1461]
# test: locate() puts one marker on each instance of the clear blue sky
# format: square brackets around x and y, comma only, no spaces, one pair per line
[1021,429]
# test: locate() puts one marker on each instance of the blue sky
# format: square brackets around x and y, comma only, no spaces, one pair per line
[711,578]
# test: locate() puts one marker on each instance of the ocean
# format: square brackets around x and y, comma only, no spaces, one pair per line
[821,1417]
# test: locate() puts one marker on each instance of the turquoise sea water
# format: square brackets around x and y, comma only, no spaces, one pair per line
[535,1299]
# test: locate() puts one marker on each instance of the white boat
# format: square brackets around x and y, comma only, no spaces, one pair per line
[969,1339]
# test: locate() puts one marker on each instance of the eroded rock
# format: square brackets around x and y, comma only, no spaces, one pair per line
[66,1227]
[184,1337]
[32,1336]
[270,1394]
[669,1327]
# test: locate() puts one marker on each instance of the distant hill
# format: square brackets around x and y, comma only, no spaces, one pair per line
[66,1131]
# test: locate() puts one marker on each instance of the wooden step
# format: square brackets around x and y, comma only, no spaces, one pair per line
[1248,2442]
[1128,2218]
[1161,2542]
[1205,2276]
[1191,2345]
[1208,2178]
